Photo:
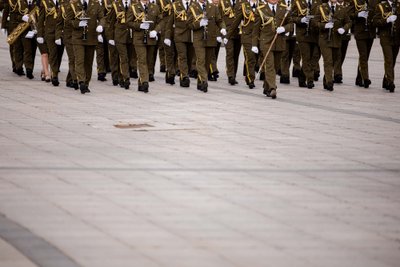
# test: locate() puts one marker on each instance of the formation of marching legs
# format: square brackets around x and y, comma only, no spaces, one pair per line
[127,35]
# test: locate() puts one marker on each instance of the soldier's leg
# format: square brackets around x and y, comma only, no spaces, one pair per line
[316,55]
[230,61]
[101,67]
[124,64]
[161,55]
[169,52]
[250,62]
[362,60]
[89,57]
[141,51]
[236,52]
[79,52]
[201,66]
[29,56]
[151,60]
[328,67]
[192,62]
[114,64]
[211,64]
[182,51]
[285,63]
[53,59]
[60,53]
[306,54]
[132,61]
[18,54]
[296,61]
[270,72]
[72,81]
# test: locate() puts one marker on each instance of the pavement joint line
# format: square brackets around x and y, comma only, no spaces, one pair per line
[133,169]
[33,247]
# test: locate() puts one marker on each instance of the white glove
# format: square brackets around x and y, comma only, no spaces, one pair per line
[153,34]
[100,38]
[145,26]
[363,14]
[391,19]
[225,41]
[223,31]
[203,22]
[329,25]
[40,40]
[25,18]
[58,41]
[340,31]
[254,49]
[111,42]
[219,39]
[99,29]
[167,42]
[30,34]
[280,30]
[83,23]
[305,20]
[4,31]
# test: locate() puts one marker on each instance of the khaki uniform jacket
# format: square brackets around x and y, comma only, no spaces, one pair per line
[360,24]
[107,8]
[215,23]
[23,9]
[245,16]
[177,28]
[350,12]
[94,11]
[119,30]
[341,20]
[166,9]
[64,29]
[382,12]
[228,16]
[49,18]
[14,19]
[135,17]
[299,10]
[265,26]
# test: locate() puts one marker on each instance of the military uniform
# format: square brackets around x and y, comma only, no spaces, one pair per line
[144,44]
[330,40]
[178,32]
[85,38]
[288,53]
[268,20]
[102,52]
[307,34]
[232,48]
[167,12]
[5,26]
[122,36]
[50,17]
[364,32]
[245,16]
[17,46]
[389,34]
[204,37]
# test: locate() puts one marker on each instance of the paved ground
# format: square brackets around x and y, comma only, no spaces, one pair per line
[227,178]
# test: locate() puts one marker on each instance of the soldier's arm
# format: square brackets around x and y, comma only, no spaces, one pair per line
[133,24]
[378,19]
[112,19]
[101,19]
[60,27]
[40,21]
[169,22]
[317,21]
[6,12]
[347,22]
[219,21]
[236,22]
[256,29]
[158,21]
[192,23]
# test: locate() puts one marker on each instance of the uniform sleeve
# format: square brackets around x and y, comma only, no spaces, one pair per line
[256,29]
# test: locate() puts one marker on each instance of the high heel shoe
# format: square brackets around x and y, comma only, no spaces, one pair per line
[42,76]
[48,79]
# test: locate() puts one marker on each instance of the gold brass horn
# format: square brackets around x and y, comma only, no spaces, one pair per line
[13,36]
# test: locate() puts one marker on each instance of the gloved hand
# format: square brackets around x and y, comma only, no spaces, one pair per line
[167,42]
[225,41]
[305,20]
[100,38]
[99,29]
[4,31]
[83,23]
[219,39]
[153,34]
[58,41]
[203,22]
[254,49]
[280,30]
[391,19]
[145,26]
[340,31]
[40,40]
[111,42]
[223,31]
[363,14]
[329,25]
[30,34]
[25,18]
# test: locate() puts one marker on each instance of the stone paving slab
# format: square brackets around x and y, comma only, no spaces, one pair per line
[227,178]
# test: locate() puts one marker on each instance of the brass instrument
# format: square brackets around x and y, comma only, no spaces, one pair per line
[205,28]
[330,20]
[84,17]
[22,27]
[146,32]
[309,17]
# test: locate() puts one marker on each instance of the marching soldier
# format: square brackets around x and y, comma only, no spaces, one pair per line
[49,18]
[121,35]
[245,16]
[5,28]
[177,31]
[288,53]
[364,33]
[333,22]
[167,12]
[269,29]
[64,32]
[86,18]
[303,12]
[206,23]
[387,20]
[233,45]
[102,52]
[144,19]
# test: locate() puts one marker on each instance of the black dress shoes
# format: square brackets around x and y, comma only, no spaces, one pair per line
[101,77]
[202,86]
[284,79]
[55,81]
[232,81]
[170,79]
[144,87]
[151,78]
[185,82]
[310,84]
[20,72]
[133,74]
[251,85]
[295,72]
[367,82]
[316,75]
[84,88]
[29,74]
[391,87]
[163,68]
[115,82]
[338,78]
